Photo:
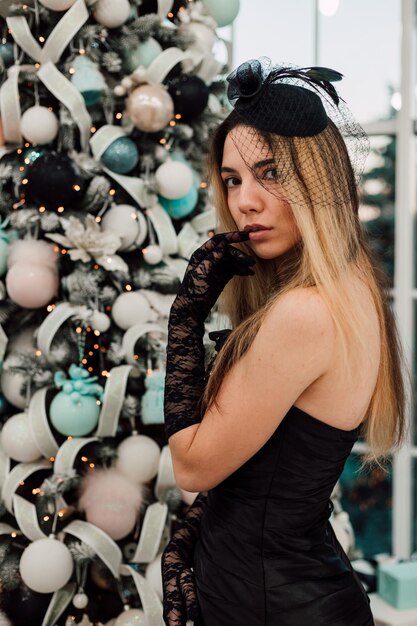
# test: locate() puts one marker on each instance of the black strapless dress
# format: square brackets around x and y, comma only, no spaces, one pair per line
[267,554]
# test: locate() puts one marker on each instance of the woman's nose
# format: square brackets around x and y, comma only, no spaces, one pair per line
[250,198]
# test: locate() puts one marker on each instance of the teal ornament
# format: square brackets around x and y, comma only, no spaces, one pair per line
[143,54]
[180,207]
[121,156]
[88,79]
[75,410]
[222,12]
[7,53]
[152,403]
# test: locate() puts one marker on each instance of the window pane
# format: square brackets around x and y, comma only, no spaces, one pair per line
[377,193]
[367,497]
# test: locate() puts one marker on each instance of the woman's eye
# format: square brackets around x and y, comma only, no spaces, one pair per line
[270,174]
[232,181]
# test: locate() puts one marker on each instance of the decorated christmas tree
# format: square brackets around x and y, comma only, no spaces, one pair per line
[106,110]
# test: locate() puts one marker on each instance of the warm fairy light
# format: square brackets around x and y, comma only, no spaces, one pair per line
[42,39]
[50,109]
[38,352]
[119,116]
[22,168]
[108,307]
[42,209]
[25,181]
[78,330]
[45,518]
[71,70]
[22,482]
[93,129]
[41,493]
[97,333]
[96,346]
[35,491]
[178,116]
[96,266]
[56,249]
[52,459]
[60,209]
[69,438]
[61,514]
[128,287]
[170,14]
[90,353]
[37,65]
[50,307]
[163,141]
[90,369]
[136,356]
[105,373]
[25,7]
[81,50]
[27,161]
[19,151]
[13,534]
[98,402]
[210,233]
[112,192]
[88,329]
[98,219]
[63,251]
[84,459]
[84,361]
[203,185]
[76,187]
[173,123]
[92,465]
[27,145]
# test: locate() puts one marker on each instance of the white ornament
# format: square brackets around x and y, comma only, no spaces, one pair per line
[57,5]
[131,308]
[119,91]
[110,13]
[18,441]
[154,577]
[173,179]
[122,220]
[131,617]
[127,82]
[39,125]
[80,600]
[152,254]
[138,458]
[46,565]
[203,36]
[100,321]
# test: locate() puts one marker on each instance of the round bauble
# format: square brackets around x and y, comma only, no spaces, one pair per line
[138,458]
[57,5]
[131,617]
[131,308]
[18,441]
[202,35]
[181,207]
[173,179]
[39,125]
[150,107]
[100,321]
[152,254]
[122,220]
[4,250]
[223,12]
[74,417]
[121,156]
[190,95]
[7,53]
[13,386]
[80,600]
[31,286]
[88,79]
[53,180]
[143,55]
[153,576]
[110,13]
[46,565]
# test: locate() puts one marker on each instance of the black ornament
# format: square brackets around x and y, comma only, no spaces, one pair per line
[53,181]
[190,95]
[151,6]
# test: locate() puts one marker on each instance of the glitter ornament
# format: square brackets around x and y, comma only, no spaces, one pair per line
[17,439]
[152,254]
[110,13]
[57,5]
[138,458]
[150,107]
[122,220]
[223,12]
[39,125]
[121,156]
[131,308]
[173,179]
[131,617]
[46,565]
[80,600]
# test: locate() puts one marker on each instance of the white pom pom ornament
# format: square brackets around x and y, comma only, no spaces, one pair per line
[173,179]
[131,308]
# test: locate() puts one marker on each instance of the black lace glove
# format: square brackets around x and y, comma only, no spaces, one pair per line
[208,272]
[180,599]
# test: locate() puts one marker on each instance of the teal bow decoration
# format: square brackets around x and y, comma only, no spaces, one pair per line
[79,383]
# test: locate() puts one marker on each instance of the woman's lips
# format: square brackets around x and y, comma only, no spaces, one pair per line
[256,235]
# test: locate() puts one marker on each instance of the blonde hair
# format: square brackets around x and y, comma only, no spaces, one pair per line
[331,240]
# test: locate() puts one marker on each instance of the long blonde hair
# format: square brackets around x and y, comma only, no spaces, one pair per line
[331,241]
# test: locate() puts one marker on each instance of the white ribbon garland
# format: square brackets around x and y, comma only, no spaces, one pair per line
[114,393]
[133,334]
[150,602]
[4,466]
[164,7]
[26,517]
[67,453]
[59,602]
[108,551]
[52,322]
[10,106]
[204,221]
[165,231]
[3,344]
[151,533]
[18,475]
[167,60]
[39,424]
[165,478]
[6,529]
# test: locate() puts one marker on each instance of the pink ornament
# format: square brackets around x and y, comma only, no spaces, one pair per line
[31,286]
[150,107]
[111,502]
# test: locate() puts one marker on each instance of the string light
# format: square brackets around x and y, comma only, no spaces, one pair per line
[76,187]
[45,518]
[112,192]
[81,50]
[27,145]
[21,483]
[22,168]
[42,209]
[97,333]
[178,116]
[60,209]
[92,465]
[93,129]
[25,181]
[52,459]
[119,116]
[203,185]
[38,352]
[162,141]
[98,219]
[50,307]
[84,361]
[71,70]
[37,65]
[128,287]
[173,123]
[19,151]
[13,534]
[84,459]
[78,330]
[42,39]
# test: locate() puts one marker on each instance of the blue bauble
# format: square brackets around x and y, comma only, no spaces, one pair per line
[88,80]
[121,156]
[180,207]
[6,53]
[144,54]
[152,403]
[74,416]
[4,248]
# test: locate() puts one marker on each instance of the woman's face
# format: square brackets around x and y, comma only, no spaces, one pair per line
[252,203]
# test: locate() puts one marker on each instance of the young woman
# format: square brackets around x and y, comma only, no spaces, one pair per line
[313,360]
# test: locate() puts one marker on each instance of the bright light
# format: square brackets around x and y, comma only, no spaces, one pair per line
[328,7]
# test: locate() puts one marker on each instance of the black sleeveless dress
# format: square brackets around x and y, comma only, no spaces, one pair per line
[267,554]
